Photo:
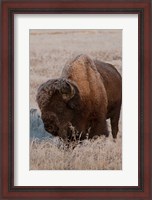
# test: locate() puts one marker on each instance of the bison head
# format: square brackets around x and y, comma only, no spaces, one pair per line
[60,105]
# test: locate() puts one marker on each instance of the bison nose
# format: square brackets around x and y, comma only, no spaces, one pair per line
[51,128]
[46,127]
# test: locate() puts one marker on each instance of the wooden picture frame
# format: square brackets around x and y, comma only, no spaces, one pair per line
[9,9]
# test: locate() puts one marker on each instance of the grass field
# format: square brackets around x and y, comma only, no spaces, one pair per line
[49,51]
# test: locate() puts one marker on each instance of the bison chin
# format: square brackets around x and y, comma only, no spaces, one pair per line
[71,133]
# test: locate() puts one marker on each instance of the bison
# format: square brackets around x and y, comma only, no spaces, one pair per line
[87,93]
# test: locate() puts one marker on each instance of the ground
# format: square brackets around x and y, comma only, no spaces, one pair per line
[49,51]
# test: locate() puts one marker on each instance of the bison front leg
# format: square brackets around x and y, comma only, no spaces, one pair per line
[99,127]
[103,130]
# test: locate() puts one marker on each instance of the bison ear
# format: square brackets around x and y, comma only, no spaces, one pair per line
[67,91]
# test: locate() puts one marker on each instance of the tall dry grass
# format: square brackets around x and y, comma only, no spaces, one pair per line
[92,154]
[49,51]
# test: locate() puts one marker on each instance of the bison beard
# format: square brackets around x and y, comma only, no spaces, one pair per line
[76,105]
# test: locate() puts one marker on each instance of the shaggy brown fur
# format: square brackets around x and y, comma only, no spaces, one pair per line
[87,93]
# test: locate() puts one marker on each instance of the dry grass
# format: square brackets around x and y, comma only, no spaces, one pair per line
[92,154]
[49,51]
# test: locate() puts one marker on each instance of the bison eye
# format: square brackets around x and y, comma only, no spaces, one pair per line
[60,109]
[73,105]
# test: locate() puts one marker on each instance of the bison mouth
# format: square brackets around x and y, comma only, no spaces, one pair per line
[68,132]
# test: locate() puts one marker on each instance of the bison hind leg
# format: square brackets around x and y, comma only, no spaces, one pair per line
[105,129]
[115,121]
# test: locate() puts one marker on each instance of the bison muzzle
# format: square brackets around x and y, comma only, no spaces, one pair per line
[77,104]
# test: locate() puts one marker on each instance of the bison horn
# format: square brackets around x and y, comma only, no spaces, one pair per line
[67,91]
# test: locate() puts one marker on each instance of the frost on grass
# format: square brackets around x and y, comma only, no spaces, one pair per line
[52,153]
[96,154]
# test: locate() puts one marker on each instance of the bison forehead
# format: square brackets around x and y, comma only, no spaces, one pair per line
[47,89]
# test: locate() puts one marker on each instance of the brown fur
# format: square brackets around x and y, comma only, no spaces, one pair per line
[87,93]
